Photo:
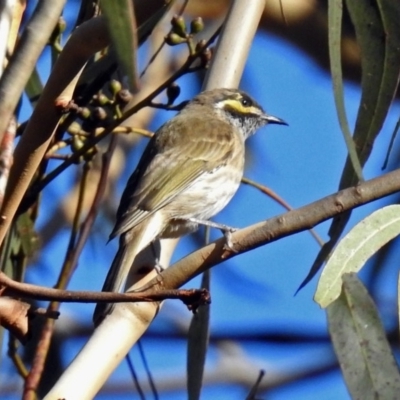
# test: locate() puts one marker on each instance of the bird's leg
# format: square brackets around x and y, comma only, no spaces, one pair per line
[155,249]
[225,229]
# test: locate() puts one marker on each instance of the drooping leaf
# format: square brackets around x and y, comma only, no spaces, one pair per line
[360,343]
[335,16]
[390,14]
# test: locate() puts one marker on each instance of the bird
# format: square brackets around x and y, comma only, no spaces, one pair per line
[189,171]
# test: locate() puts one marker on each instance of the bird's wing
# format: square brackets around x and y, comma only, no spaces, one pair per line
[170,165]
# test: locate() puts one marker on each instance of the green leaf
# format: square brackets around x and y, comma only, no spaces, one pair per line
[360,343]
[121,23]
[27,235]
[369,33]
[390,14]
[335,15]
[363,241]
[34,88]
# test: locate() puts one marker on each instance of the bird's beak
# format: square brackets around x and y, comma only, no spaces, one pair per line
[274,120]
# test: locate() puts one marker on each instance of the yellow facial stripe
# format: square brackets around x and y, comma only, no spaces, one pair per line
[239,107]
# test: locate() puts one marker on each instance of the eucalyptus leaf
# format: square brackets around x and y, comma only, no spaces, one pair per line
[363,241]
[335,16]
[121,23]
[360,343]
[390,14]
[369,31]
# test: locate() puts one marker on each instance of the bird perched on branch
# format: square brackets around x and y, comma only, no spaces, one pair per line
[190,170]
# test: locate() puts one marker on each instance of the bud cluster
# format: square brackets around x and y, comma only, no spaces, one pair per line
[102,109]
[181,34]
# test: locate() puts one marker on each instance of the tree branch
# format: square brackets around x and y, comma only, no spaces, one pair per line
[190,297]
[275,228]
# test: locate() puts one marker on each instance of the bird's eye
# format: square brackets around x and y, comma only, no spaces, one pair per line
[246,102]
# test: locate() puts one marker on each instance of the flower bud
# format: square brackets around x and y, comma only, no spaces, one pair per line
[74,128]
[100,113]
[173,91]
[62,25]
[84,112]
[124,96]
[88,156]
[206,56]
[173,39]
[115,86]
[101,99]
[197,25]
[201,45]
[77,143]
[179,26]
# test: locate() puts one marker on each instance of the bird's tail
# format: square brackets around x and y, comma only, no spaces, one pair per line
[130,245]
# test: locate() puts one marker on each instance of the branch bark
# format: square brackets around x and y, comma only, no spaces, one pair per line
[276,228]
[13,288]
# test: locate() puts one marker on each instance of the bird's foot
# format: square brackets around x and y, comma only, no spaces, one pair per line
[229,246]
[225,229]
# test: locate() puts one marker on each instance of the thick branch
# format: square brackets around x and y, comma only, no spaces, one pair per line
[276,228]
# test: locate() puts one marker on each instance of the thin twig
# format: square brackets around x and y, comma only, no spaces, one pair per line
[158,51]
[274,196]
[135,378]
[148,371]
[16,358]
[254,389]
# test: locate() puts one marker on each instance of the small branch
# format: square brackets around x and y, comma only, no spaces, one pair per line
[274,196]
[16,358]
[158,51]
[190,297]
